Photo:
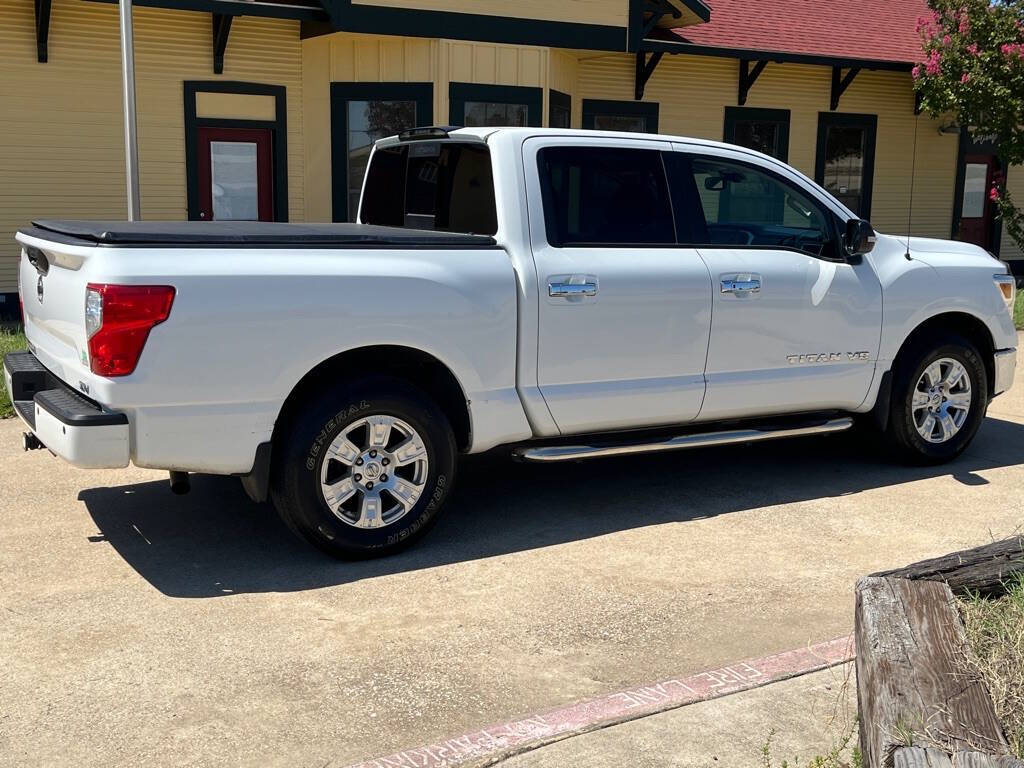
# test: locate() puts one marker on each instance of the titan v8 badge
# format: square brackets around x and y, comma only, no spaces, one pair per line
[827,357]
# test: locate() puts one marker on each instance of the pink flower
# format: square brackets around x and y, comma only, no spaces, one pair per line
[1012,49]
[973,49]
[965,23]
[965,78]
[947,40]
[916,72]
[932,64]
[993,194]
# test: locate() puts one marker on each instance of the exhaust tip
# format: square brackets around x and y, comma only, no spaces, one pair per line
[30,442]
[180,483]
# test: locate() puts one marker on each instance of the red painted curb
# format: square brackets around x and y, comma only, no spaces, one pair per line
[620,706]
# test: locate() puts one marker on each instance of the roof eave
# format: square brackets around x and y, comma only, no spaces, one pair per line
[695,49]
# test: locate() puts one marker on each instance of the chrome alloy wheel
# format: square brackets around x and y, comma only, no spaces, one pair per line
[374,471]
[942,400]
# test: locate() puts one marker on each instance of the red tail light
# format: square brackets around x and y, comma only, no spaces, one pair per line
[118,320]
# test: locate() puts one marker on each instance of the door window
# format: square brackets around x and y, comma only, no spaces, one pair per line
[975,180]
[234,180]
[368,121]
[600,196]
[846,159]
[235,174]
[763,130]
[735,204]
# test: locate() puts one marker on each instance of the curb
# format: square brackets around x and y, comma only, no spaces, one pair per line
[501,739]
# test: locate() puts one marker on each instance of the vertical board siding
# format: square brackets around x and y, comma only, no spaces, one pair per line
[61,136]
[692,92]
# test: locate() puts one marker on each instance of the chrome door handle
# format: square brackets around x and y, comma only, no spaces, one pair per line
[753,285]
[572,289]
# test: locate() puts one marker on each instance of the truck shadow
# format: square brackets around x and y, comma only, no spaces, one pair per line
[215,542]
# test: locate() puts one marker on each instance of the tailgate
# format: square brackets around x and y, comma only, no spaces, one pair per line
[52,279]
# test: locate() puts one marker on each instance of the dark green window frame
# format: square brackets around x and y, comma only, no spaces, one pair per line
[559,102]
[341,95]
[781,117]
[646,109]
[460,93]
[827,120]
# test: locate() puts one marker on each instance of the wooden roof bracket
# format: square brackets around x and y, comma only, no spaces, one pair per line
[840,83]
[42,30]
[221,30]
[748,77]
[644,69]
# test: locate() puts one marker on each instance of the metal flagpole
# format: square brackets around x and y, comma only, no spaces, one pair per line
[131,140]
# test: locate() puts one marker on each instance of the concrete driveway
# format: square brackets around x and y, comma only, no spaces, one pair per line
[137,627]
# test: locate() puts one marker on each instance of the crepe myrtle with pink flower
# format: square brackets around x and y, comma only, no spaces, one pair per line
[972,68]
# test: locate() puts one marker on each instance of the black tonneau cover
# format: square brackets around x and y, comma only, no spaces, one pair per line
[236,234]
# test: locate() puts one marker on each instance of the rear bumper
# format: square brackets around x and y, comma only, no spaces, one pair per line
[1005,367]
[71,426]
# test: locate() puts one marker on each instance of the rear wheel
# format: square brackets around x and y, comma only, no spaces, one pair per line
[364,472]
[940,395]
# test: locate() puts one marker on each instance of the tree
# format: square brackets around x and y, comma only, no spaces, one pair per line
[972,67]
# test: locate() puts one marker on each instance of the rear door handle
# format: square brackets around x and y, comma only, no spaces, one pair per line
[572,289]
[751,285]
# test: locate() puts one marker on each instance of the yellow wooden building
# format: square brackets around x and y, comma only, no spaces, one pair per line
[260,109]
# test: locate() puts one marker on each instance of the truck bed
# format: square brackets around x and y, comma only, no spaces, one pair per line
[245,234]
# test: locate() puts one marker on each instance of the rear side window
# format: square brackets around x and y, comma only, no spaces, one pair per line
[600,196]
[431,185]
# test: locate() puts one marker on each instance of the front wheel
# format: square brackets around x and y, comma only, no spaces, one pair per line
[940,395]
[365,471]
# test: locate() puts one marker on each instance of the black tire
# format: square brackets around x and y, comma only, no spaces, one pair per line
[301,451]
[902,432]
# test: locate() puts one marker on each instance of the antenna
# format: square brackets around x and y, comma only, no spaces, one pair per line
[913,174]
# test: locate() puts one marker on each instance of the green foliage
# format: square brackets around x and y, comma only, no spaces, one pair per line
[834,758]
[972,67]
[995,636]
[11,340]
[1018,311]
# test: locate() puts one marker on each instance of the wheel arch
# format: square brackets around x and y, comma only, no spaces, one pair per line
[970,326]
[419,368]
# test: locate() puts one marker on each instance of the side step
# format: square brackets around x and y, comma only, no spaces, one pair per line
[700,440]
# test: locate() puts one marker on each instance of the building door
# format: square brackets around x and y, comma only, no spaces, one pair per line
[236,179]
[977,212]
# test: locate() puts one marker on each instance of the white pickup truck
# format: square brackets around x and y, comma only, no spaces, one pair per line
[567,294]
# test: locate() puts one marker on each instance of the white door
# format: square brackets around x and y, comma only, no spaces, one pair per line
[794,326]
[624,312]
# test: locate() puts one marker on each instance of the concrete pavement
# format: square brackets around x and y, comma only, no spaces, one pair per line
[140,627]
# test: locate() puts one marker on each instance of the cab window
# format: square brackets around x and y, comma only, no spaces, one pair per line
[737,205]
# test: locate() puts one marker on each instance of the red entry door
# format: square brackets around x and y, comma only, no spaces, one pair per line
[236,179]
[978,211]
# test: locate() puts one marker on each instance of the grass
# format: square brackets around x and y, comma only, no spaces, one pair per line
[11,339]
[995,633]
[1018,311]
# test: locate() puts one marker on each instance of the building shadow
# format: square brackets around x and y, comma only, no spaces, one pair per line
[215,541]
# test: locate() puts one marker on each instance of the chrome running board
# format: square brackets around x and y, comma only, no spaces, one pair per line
[700,440]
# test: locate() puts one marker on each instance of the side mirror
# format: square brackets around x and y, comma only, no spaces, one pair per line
[859,238]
